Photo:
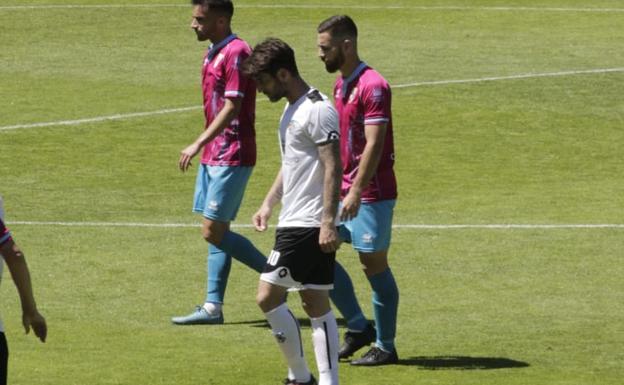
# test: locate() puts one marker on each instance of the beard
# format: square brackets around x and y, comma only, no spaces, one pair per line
[277,94]
[334,65]
[274,97]
[201,36]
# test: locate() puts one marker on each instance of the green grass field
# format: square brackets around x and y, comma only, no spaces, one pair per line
[479,306]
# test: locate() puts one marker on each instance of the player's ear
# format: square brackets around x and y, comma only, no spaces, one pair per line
[223,21]
[282,75]
[348,45]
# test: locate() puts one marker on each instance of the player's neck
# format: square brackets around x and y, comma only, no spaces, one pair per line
[350,64]
[221,36]
[298,88]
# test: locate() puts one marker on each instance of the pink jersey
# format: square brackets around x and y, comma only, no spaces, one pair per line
[5,235]
[365,99]
[221,79]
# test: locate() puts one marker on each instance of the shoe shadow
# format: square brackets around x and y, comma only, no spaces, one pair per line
[262,323]
[462,363]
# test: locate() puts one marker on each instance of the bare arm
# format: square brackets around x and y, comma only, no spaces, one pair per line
[375,136]
[229,112]
[21,276]
[273,197]
[329,155]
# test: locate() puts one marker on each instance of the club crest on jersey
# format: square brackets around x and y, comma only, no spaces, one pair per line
[218,60]
[353,95]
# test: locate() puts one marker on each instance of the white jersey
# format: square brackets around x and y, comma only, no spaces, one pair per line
[309,122]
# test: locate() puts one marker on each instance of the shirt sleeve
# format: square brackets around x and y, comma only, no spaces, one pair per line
[323,126]
[376,99]
[235,81]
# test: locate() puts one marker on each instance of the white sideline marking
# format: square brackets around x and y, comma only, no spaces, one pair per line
[418,84]
[321,6]
[397,226]
[510,77]
[100,118]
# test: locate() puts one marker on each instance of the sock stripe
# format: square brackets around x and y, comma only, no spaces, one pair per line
[298,332]
[327,344]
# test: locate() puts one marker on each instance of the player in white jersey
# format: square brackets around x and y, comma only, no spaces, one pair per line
[16,263]
[306,238]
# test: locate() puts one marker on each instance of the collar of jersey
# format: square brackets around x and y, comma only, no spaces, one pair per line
[302,97]
[346,82]
[214,49]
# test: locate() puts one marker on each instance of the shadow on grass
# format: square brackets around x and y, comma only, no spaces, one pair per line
[462,363]
[262,323]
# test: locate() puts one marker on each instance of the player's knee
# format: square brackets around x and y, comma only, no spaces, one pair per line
[213,232]
[307,307]
[263,300]
[207,234]
[374,267]
[211,235]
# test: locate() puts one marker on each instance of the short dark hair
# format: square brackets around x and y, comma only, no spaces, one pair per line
[339,26]
[270,56]
[224,7]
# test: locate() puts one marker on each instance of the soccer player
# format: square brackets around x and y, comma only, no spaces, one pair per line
[16,262]
[229,153]
[307,185]
[368,193]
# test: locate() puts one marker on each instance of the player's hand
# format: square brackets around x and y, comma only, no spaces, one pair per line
[38,324]
[350,205]
[186,155]
[261,218]
[328,238]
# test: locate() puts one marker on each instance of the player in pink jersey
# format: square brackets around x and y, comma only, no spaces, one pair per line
[363,100]
[229,153]
[11,253]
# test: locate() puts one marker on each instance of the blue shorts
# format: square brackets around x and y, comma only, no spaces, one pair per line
[219,191]
[371,229]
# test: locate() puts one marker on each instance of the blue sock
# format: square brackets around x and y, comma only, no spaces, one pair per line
[243,250]
[385,305]
[219,265]
[343,296]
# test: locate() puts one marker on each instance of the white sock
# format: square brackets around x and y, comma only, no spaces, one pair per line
[213,308]
[326,341]
[286,330]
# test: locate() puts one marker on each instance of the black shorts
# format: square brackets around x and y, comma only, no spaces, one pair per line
[4,359]
[297,261]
